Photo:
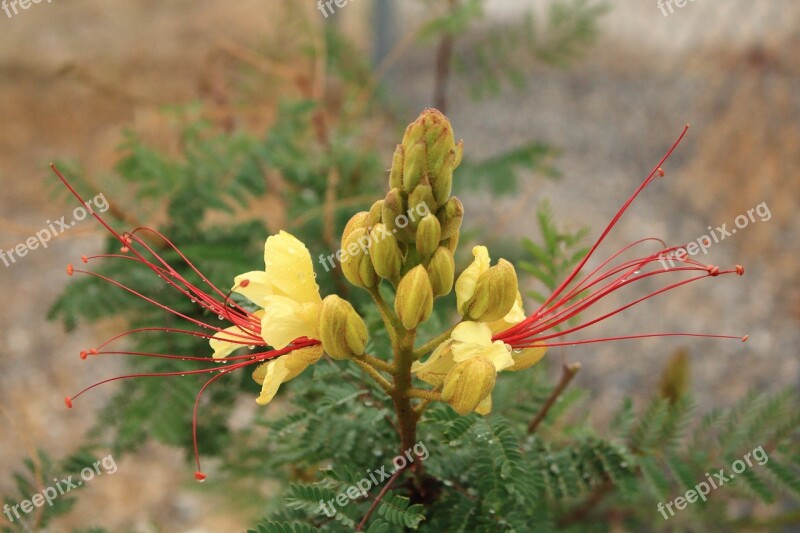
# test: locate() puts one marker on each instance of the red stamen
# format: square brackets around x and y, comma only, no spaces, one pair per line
[70,270]
[215,301]
[573,295]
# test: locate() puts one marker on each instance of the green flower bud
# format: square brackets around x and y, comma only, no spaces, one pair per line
[342,332]
[414,300]
[395,217]
[396,173]
[359,220]
[442,271]
[420,203]
[385,253]
[429,233]
[450,216]
[468,384]
[451,243]
[375,215]
[495,293]
[415,162]
[430,154]
[356,264]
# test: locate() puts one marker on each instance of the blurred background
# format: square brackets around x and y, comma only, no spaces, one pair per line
[75,74]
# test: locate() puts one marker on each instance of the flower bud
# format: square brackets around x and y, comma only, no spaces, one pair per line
[385,253]
[415,162]
[430,154]
[420,203]
[429,234]
[414,300]
[442,271]
[342,332]
[495,293]
[375,215]
[468,384]
[396,173]
[450,216]
[395,217]
[356,264]
[359,220]
[451,243]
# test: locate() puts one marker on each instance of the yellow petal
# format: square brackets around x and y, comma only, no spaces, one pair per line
[500,355]
[472,332]
[527,358]
[434,370]
[254,286]
[485,407]
[228,340]
[466,282]
[275,374]
[289,268]
[285,320]
[287,367]
[295,363]
[515,316]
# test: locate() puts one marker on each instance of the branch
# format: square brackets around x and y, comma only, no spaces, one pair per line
[381,494]
[567,374]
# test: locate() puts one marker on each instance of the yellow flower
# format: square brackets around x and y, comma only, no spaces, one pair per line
[469,340]
[486,293]
[468,280]
[273,373]
[287,291]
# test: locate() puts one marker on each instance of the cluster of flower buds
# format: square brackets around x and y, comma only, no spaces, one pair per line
[409,237]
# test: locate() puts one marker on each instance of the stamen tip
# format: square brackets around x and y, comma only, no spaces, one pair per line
[740,270]
[713,270]
[84,354]
[744,339]
[84,259]
[70,270]
[660,172]
[68,402]
[244,283]
[200,477]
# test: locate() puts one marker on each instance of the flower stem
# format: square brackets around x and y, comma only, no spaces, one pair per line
[433,343]
[374,374]
[568,372]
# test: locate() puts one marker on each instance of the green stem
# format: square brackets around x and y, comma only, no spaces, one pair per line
[374,374]
[380,364]
[425,394]
[433,343]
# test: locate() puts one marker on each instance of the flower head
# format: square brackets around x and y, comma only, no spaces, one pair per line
[578,293]
[282,336]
